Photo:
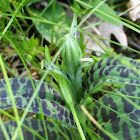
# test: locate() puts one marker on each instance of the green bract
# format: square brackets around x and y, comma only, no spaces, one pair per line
[71,55]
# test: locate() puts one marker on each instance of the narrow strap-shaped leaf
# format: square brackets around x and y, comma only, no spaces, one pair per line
[52,102]
[115,70]
[37,128]
[111,71]
[111,61]
[107,81]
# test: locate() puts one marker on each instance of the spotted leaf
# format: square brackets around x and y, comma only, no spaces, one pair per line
[38,132]
[117,115]
[53,104]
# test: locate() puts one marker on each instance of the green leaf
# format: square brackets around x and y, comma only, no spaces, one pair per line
[112,71]
[46,29]
[31,46]
[4,6]
[103,8]
[53,104]
[34,129]
[117,114]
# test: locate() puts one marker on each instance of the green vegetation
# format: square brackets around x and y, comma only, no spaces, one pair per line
[53,89]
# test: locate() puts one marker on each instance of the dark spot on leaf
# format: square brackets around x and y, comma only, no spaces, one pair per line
[91,70]
[115,124]
[112,115]
[137,112]
[34,124]
[101,71]
[131,81]
[72,122]
[115,62]
[66,114]
[113,105]
[42,133]
[35,109]
[95,83]
[105,100]
[111,68]
[134,117]
[55,94]
[125,74]
[28,135]
[95,110]
[26,123]
[67,120]
[122,71]
[45,110]
[15,86]
[19,102]
[126,133]
[71,116]
[22,80]
[91,78]
[104,115]
[106,72]
[137,82]
[3,101]
[59,108]
[28,90]
[100,63]
[1,84]
[127,106]
[36,103]
[3,94]
[130,88]
[60,117]
[42,92]
[104,135]
[109,60]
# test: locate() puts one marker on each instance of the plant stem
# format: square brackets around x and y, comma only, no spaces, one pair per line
[77,122]
[9,89]
[53,17]
[65,89]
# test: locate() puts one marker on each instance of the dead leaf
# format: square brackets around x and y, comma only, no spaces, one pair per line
[134,5]
[106,29]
